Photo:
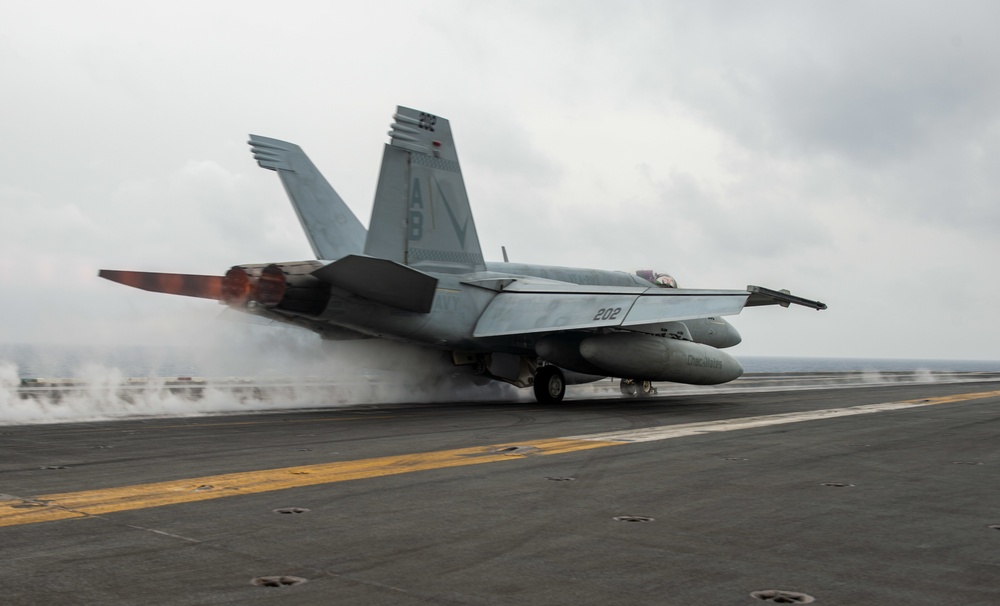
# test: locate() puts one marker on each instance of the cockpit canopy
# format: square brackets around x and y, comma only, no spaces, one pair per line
[657,278]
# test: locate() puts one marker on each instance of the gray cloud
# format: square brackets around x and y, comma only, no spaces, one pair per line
[844,150]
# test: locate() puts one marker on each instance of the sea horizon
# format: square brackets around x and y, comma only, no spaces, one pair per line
[72,361]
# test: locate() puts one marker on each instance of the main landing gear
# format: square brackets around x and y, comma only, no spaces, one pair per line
[632,387]
[550,385]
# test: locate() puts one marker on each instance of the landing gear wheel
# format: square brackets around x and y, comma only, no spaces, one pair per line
[550,385]
[631,387]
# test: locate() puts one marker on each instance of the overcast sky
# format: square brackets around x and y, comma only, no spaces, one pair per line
[847,151]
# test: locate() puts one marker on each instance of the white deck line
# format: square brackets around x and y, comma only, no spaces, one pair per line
[652,434]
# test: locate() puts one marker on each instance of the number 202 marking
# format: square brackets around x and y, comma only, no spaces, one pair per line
[609,313]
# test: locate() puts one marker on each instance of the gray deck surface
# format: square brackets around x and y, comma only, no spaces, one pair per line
[733,512]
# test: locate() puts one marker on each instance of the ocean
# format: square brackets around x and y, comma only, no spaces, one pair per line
[35,361]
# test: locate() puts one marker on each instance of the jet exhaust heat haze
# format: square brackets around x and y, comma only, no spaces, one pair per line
[417,276]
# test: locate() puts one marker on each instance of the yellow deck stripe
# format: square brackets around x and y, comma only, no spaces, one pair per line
[15,511]
[142,496]
[962,397]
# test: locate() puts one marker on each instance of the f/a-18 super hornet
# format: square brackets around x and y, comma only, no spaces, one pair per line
[417,276]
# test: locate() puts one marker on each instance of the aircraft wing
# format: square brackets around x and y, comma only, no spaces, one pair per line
[530,307]
[765,296]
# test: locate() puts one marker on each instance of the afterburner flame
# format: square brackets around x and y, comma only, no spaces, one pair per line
[236,287]
[271,286]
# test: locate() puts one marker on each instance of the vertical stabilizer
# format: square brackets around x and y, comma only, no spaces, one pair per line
[331,227]
[421,216]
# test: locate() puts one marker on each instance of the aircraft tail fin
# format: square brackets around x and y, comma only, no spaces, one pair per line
[421,216]
[333,230]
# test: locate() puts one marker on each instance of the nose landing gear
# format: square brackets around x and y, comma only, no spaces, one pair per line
[632,387]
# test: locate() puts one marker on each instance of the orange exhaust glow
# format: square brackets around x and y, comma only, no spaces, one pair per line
[236,287]
[188,285]
[271,286]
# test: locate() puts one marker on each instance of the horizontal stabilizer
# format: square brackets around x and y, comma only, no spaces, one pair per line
[381,281]
[765,296]
[188,285]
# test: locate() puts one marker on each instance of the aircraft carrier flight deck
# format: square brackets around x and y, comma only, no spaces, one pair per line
[774,490]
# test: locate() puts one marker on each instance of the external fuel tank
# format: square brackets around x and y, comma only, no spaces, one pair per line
[651,358]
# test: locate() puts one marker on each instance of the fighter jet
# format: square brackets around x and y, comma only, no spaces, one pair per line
[418,276]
